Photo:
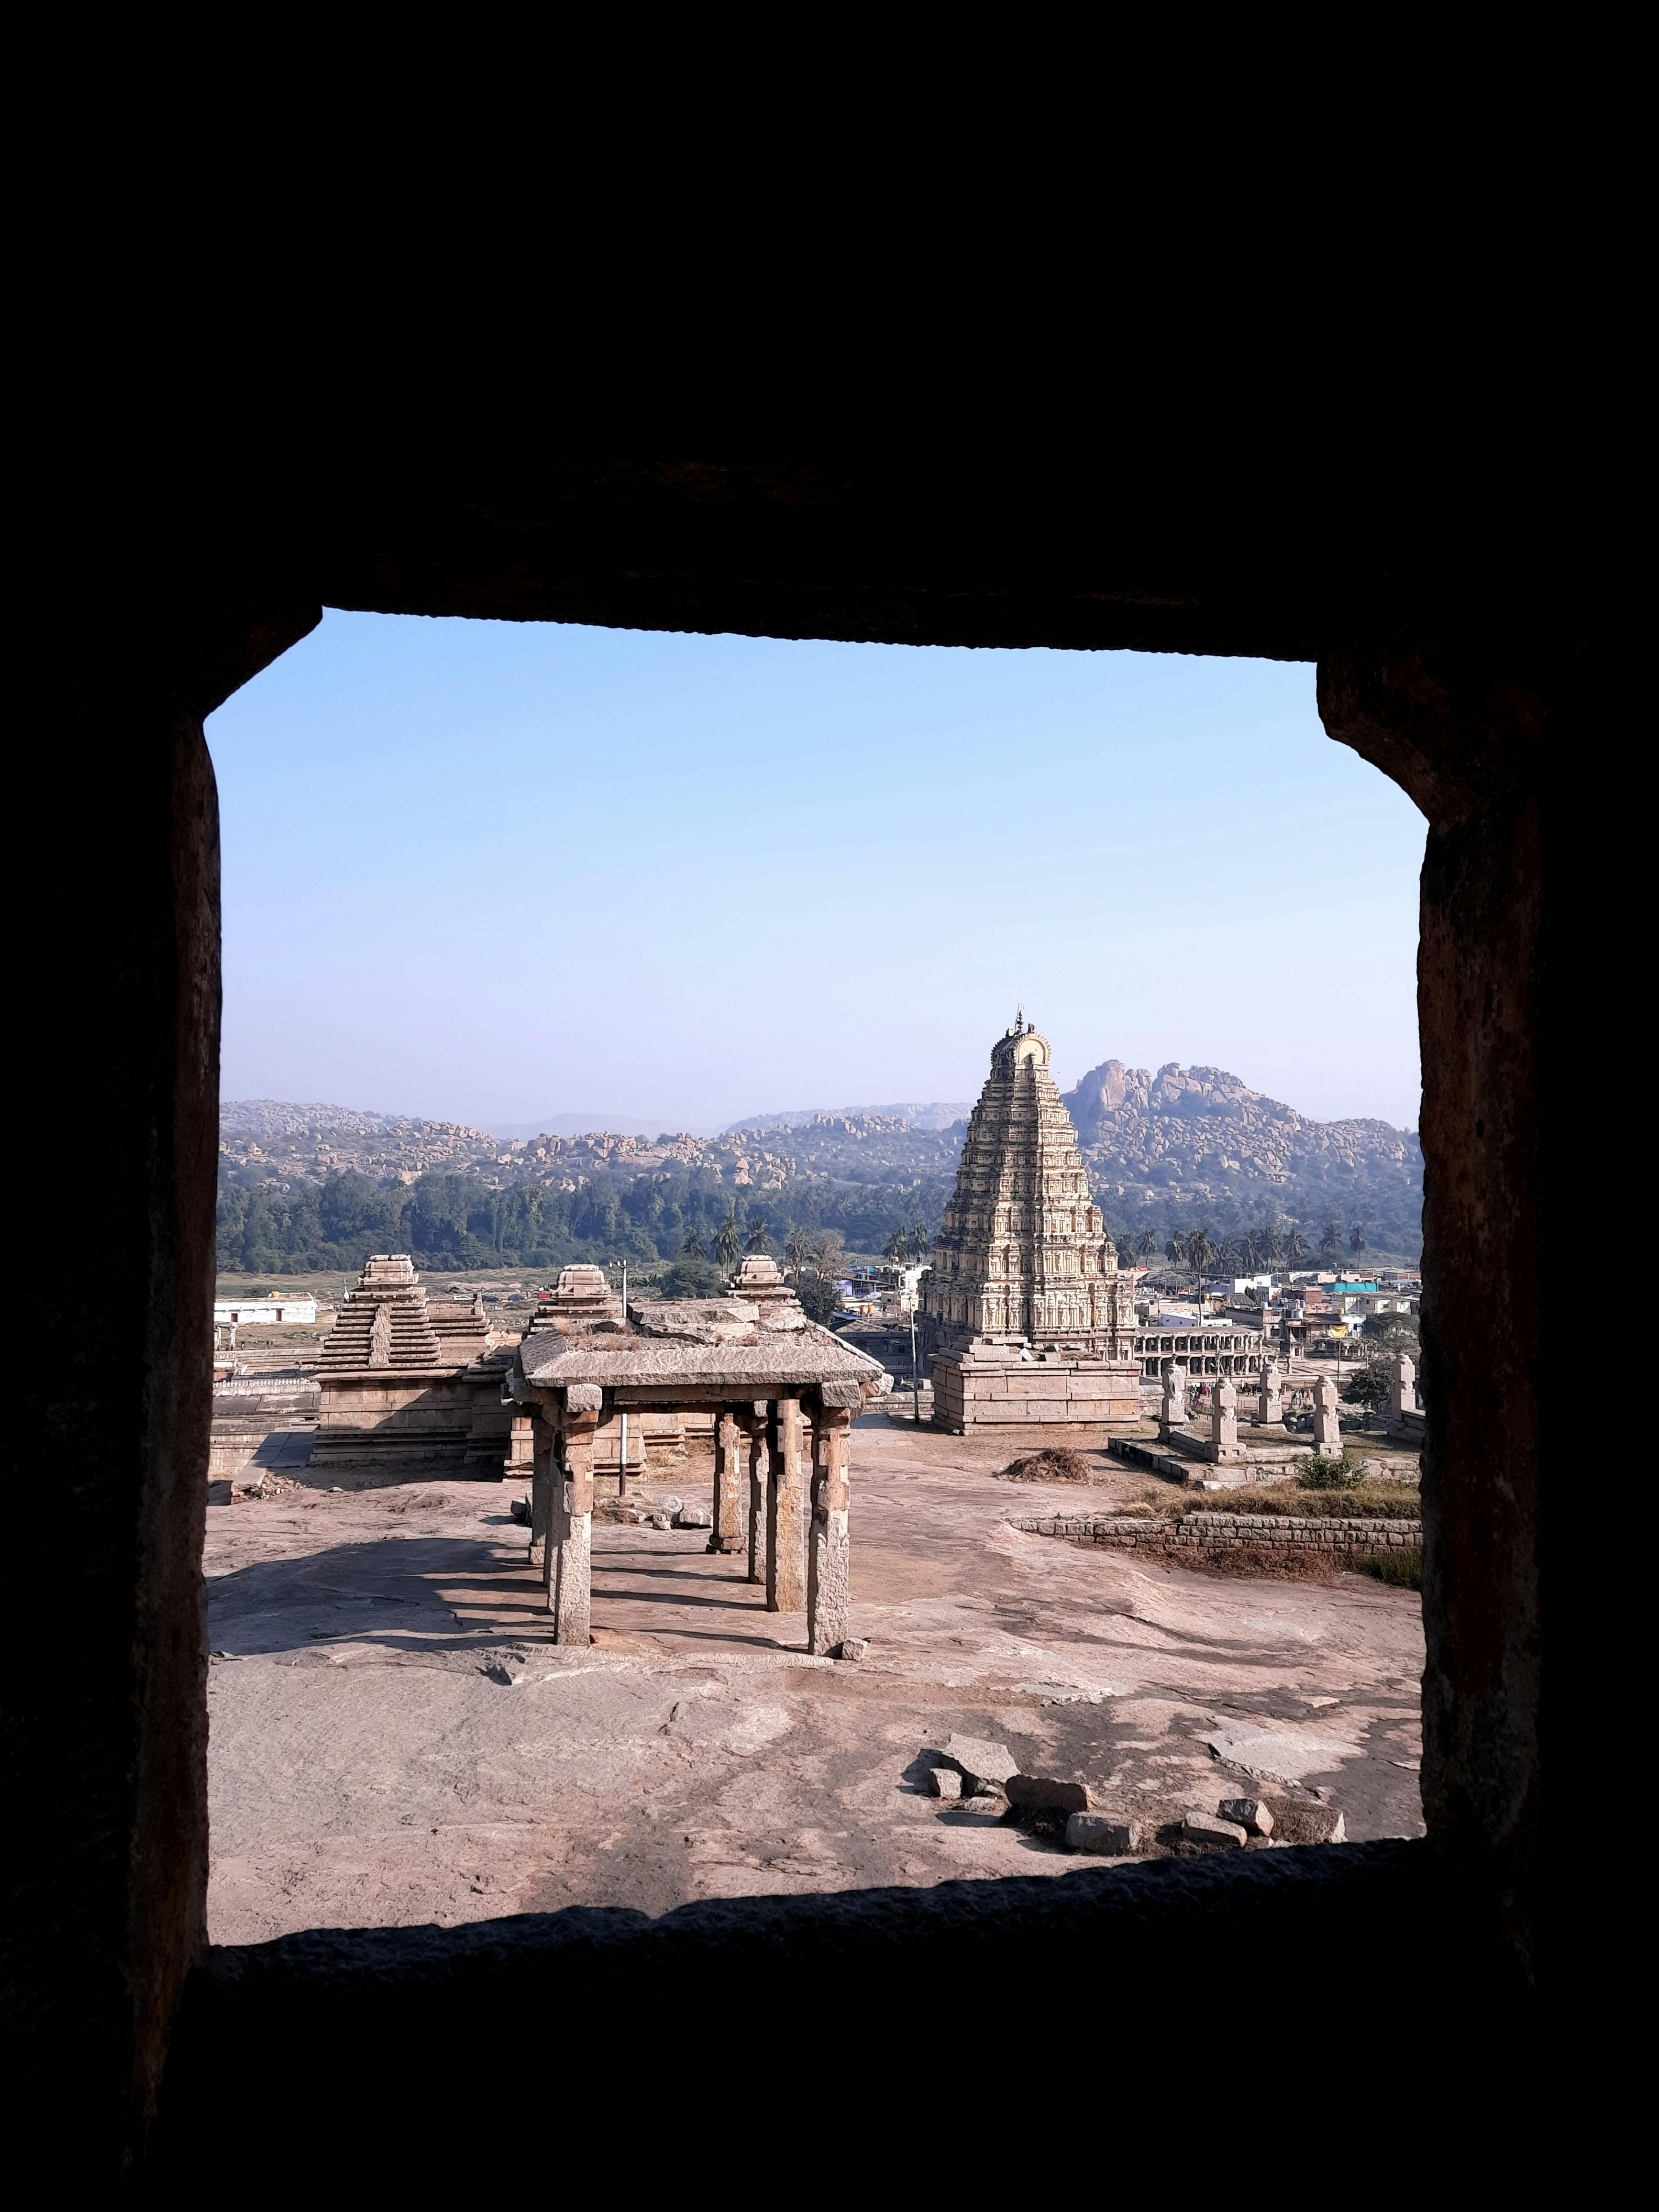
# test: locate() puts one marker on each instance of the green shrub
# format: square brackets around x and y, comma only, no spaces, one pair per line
[1400,1570]
[1317,1473]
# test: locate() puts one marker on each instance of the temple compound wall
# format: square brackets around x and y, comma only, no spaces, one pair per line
[1028,1325]
[405,1380]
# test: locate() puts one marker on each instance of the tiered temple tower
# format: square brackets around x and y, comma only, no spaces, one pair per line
[384,1322]
[1022,1308]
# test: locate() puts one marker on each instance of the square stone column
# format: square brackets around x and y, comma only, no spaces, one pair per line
[1328,1426]
[786,1513]
[544,1448]
[1402,1391]
[1173,1411]
[726,1531]
[752,1422]
[830,1552]
[1269,1405]
[570,1568]
[1224,1421]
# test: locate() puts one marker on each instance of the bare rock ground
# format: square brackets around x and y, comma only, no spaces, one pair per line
[394,1740]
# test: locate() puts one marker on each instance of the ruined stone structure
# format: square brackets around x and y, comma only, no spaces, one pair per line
[1204,1351]
[781,1394]
[401,1380]
[1026,1321]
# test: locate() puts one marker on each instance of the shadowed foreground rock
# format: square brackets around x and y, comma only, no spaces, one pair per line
[1032,1985]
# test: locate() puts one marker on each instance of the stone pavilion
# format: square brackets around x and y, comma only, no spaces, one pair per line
[1028,1326]
[782,1394]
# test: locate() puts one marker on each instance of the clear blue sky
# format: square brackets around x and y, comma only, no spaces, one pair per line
[492,872]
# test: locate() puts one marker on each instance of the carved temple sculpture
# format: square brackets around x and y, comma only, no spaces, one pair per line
[782,1394]
[1027,1323]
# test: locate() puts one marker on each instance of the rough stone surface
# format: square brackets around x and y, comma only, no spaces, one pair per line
[365,1771]
[945,1782]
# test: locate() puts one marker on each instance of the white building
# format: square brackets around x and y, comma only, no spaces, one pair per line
[276,1306]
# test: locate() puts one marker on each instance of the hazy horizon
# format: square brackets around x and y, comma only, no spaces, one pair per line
[472,868]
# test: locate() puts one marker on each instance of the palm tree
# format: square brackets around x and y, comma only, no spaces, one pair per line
[1330,1244]
[1147,1245]
[692,1247]
[1200,1255]
[728,1238]
[1296,1247]
[759,1241]
[797,1250]
[920,1242]
[1357,1243]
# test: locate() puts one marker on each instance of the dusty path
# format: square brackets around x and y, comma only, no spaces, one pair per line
[394,1740]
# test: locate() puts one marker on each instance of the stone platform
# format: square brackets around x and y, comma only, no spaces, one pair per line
[1007,1388]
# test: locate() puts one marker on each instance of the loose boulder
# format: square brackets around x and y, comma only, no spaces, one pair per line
[1249,1812]
[1210,1828]
[945,1782]
[1047,1793]
[983,1765]
[1107,1835]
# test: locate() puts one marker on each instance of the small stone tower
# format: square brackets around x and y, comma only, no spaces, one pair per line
[1026,1321]
[384,1322]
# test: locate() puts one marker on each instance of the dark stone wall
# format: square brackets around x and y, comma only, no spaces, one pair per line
[156,605]
[1472,735]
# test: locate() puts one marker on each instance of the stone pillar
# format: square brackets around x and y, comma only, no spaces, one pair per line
[569,1569]
[830,1554]
[1173,1412]
[1223,1421]
[1270,1406]
[786,1513]
[726,1531]
[519,1465]
[1327,1429]
[543,1445]
[1402,1392]
[753,1424]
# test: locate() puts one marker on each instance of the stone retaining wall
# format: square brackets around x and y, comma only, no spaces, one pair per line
[1129,1533]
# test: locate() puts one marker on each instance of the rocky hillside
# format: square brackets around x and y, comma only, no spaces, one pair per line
[1165,1151]
[1192,1142]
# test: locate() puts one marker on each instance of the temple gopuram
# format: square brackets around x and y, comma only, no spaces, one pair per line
[1027,1324]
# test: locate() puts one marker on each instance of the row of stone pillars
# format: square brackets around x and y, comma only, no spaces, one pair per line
[797,1532]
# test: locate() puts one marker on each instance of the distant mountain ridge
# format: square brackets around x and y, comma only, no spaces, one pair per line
[1164,1151]
[1189,1140]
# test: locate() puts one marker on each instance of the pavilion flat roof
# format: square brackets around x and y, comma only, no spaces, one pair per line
[774,1362]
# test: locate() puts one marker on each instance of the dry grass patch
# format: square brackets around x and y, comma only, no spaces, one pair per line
[1364,1501]
[1056,1466]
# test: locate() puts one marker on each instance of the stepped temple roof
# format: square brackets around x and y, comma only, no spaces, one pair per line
[384,1323]
[1024,1251]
